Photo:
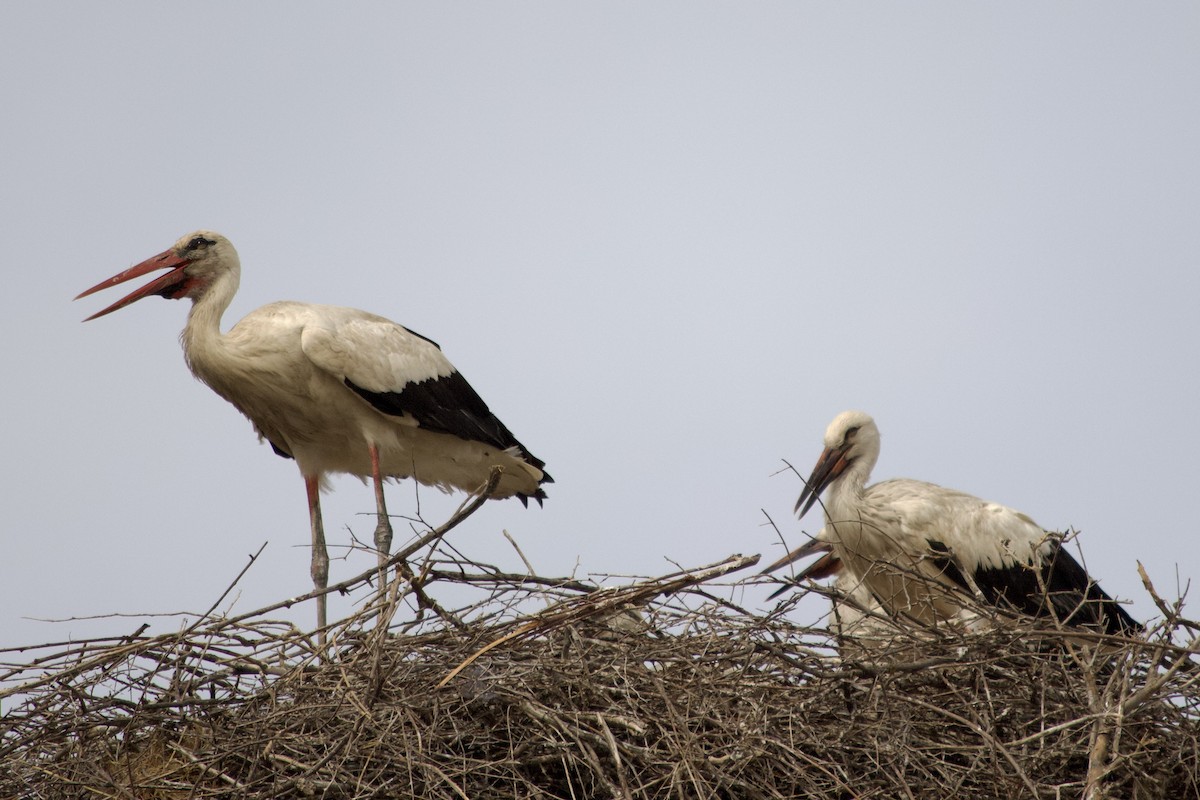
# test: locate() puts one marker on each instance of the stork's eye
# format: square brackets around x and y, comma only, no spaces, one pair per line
[850,433]
[199,243]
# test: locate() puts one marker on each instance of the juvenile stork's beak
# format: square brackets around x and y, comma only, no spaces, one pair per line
[833,462]
[172,285]
[828,564]
[823,567]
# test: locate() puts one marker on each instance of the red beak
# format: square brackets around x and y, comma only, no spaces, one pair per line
[172,285]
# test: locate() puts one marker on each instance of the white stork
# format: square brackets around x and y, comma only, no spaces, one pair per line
[337,389]
[918,546]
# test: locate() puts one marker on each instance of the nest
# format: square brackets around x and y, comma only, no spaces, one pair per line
[558,688]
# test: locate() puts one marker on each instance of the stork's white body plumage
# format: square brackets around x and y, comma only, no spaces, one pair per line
[337,389]
[923,549]
[855,616]
[288,367]
[898,534]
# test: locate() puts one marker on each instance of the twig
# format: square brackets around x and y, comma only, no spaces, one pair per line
[608,601]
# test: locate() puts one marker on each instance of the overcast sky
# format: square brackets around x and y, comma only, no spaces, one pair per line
[667,242]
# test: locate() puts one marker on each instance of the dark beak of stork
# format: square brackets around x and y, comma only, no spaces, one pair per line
[823,567]
[174,284]
[833,462]
[828,564]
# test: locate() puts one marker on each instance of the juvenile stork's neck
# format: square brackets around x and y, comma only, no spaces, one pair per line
[847,490]
[844,502]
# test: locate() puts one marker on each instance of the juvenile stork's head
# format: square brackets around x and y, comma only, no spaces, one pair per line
[852,439]
[194,263]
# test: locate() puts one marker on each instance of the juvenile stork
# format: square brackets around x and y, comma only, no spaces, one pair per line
[856,618]
[919,547]
[337,389]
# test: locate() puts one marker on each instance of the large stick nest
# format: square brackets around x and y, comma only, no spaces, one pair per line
[556,688]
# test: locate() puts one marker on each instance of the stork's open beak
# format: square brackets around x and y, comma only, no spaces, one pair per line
[832,463]
[169,285]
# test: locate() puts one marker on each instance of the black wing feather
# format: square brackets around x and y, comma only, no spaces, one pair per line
[945,562]
[1062,586]
[449,405]
[279,451]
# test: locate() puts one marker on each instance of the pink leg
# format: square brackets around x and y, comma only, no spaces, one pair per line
[320,556]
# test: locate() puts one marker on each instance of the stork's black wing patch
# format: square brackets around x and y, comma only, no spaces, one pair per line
[279,451]
[449,405]
[944,561]
[1060,586]
[1077,598]
[1013,586]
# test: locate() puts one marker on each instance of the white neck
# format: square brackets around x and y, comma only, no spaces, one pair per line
[201,336]
[847,489]
[844,506]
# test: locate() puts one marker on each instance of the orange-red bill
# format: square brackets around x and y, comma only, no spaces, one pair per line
[163,285]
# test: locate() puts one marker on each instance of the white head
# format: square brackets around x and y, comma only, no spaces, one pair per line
[856,431]
[851,440]
[196,262]
[209,255]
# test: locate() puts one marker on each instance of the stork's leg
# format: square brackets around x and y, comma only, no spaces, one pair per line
[383,529]
[320,556]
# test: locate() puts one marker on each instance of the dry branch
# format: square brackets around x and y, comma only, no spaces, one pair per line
[660,688]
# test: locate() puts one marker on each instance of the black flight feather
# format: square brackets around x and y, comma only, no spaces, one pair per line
[1060,588]
[449,405]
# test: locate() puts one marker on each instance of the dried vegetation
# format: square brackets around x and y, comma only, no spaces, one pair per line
[556,688]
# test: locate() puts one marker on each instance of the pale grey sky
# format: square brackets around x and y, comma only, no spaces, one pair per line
[666,242]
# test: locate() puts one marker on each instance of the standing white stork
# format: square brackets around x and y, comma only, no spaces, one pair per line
[917,546]
[337,389]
